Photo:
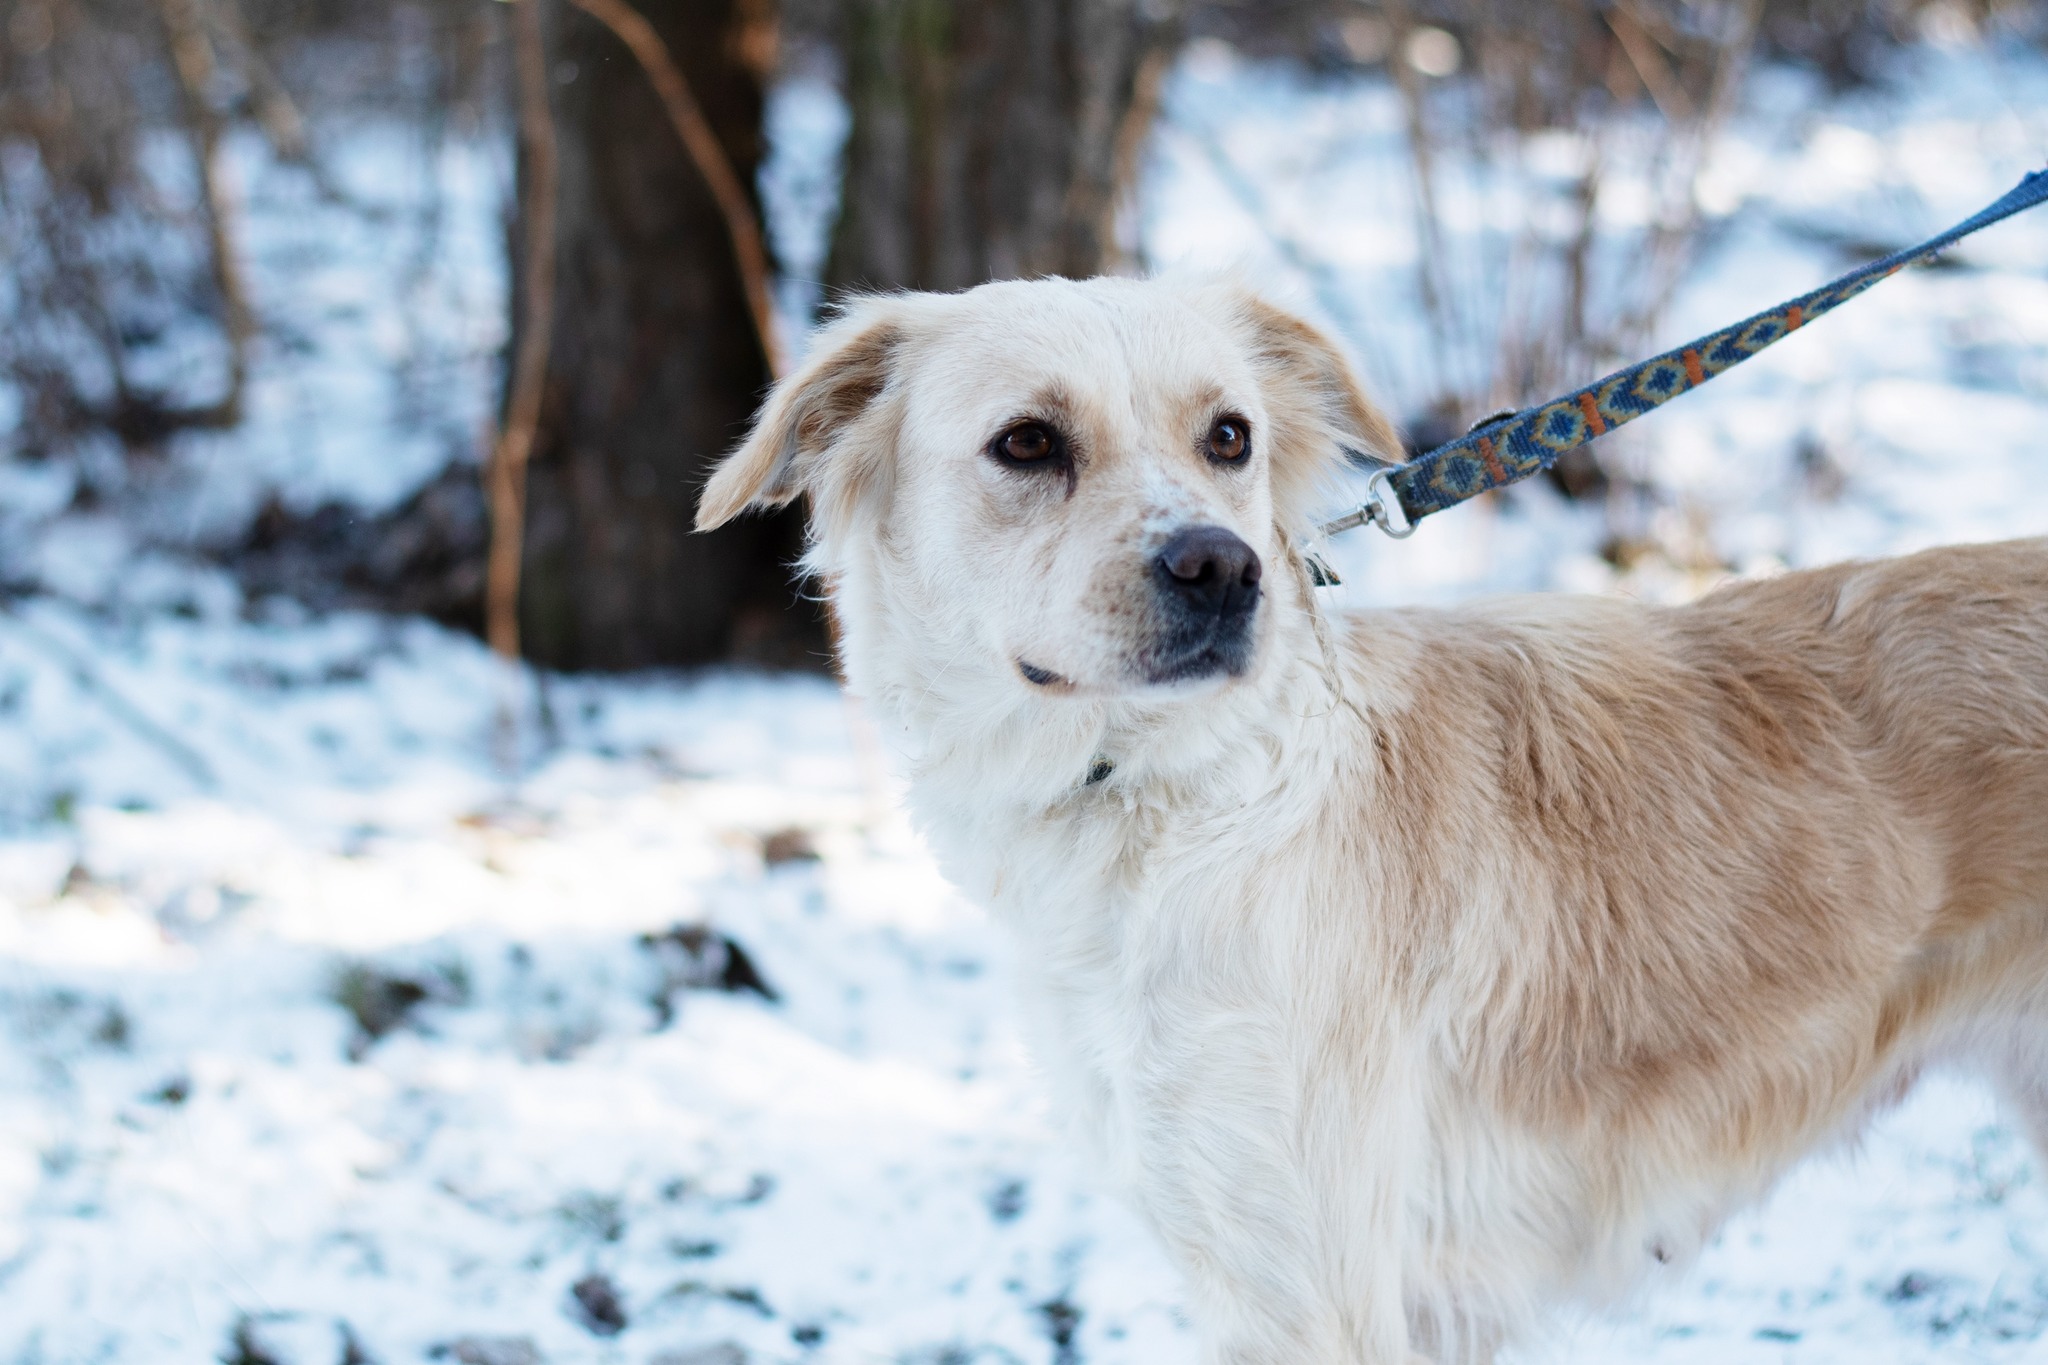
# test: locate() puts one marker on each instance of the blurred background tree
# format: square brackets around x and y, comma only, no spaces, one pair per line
[654,367]
[992,139]
[987,138]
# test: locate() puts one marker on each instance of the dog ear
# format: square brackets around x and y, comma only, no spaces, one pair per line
[838,383]
[1319,408]
[1313,364]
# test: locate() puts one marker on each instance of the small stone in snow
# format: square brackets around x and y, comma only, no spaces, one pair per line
[245,1348]
[1062,1320]
[694,957]
[1006,1201]
[597,1305]
[490,1351]
[1914,1284]
[353,1351]
[792,845]
[377,1000]
[723,1353]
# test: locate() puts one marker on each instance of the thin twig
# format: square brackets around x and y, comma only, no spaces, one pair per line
[1663,253]
[1578,324]
[275,109]
[277,113]
[1649,64]
[1148,84]
[1322,278]
[1432,261]
[741,223]
[536,323]
[88,680]
[192,56]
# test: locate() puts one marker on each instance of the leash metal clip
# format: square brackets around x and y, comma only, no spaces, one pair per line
[1382,507]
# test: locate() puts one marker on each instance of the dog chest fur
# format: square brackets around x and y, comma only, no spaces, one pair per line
[1247,1027]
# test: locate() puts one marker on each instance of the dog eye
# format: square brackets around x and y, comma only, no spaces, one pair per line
[1027,443]
[1230,439]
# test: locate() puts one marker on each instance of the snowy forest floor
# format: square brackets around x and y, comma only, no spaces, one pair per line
[323,1041]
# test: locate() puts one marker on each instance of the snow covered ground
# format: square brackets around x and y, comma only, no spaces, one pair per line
[323,1040]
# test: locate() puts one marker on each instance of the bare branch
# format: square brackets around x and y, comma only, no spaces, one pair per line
[1649,64]
[1161,42]
[192,57]
[742,226]
[536,323]
[1664,250]
[88,680]
[275,108]
[1432,265]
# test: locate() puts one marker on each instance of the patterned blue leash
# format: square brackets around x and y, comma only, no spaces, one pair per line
[1508,449]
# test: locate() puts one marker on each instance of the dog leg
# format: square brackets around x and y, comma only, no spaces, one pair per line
[1288,1266]
[1240,1331]
[2031,1105]
[2018,1065]
[1275,1274]
[1262,1294]
[2023,1085]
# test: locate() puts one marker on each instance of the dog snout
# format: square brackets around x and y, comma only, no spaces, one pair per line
[1210,570]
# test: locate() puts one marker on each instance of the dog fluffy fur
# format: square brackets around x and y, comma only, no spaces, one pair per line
[1436,967]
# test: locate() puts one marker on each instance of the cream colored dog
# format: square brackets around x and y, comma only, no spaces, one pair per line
[1410,971]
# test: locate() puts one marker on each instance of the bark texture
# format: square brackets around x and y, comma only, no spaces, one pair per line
[655,367]
[991,139]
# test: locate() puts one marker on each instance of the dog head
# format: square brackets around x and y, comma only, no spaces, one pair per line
[1060,488]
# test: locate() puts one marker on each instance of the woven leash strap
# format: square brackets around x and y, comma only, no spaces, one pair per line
[1513,448]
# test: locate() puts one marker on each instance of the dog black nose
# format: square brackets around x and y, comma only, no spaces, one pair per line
[1211,570]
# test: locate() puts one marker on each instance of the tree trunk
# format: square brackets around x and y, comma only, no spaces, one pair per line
[992,138]
[654,369]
